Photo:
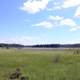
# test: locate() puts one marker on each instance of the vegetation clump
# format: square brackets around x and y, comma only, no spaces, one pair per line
[17,75]
[56,59]
[76,51]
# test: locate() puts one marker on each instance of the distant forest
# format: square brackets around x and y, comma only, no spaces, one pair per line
[5,45]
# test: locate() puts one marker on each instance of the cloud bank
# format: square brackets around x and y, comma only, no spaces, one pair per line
[56,21]
[36,6]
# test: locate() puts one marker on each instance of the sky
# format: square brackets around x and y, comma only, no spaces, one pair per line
[31,22]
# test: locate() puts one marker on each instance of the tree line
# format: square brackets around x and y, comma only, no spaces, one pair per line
[5,45]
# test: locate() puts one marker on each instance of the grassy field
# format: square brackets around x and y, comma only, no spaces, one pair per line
[40,64]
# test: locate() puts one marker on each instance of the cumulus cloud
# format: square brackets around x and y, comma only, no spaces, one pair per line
[55,18]
[70,3]
[75,28]
[66,4]
[34,6]
[55,21]
[54,5]
[50,22]
[45,24]
[68,22]
[77,14]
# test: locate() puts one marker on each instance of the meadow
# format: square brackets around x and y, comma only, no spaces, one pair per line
[41,64]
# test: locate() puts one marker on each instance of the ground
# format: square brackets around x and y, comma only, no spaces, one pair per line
[41,64]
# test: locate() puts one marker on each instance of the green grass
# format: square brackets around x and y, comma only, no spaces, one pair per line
[40,64]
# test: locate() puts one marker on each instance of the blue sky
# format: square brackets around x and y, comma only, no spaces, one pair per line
[39,21]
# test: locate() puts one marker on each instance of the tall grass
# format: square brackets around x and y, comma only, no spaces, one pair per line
[40,64]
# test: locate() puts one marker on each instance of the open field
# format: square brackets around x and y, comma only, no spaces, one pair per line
[41,64]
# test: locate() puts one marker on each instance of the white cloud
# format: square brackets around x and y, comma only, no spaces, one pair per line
[68,22]
[56,21]
[70,3]
[45,24]
[50,22]
[55,18]
[57,5]
[25,40]
[54,5]
[66,4]
[75,28]
[70,41]
[77,14]
[33,6]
